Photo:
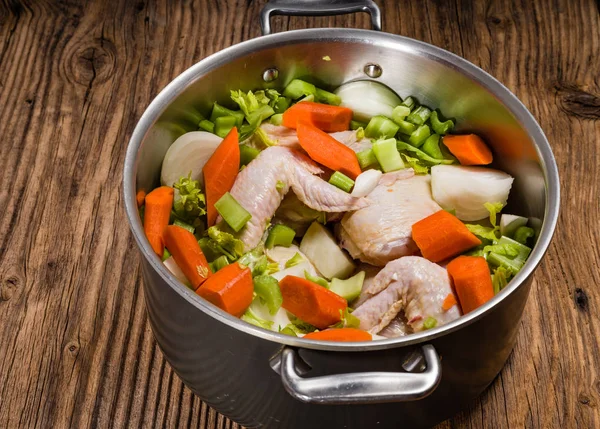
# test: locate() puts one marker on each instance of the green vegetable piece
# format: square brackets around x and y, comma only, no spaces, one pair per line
[259,115]
[418,137]
[280,186]
[288,330]
[355,125]
[419,116]
[184,225]
[493,209]
[298,88]
[432,146]
[360,134]
[380,126]
[500,278]
[294,260]
[267,288]
[409,102]
[206,125]
[483,232]
[247,154]
[315,279]
[166,255]
[348,289]
[281,105]
[343,182]
[276,119]
[514,263]
[400,113]
[405,127]
[348,320]
[327,97]
[387,155]
[190,203]
[224,243]
[366,159]
[211,252]
[232,212]
[224,124]
[403,146]
[300,326]
[220,111]
[250,317]
[280,235]
[219,263]
[430,323]
[307,98]
[438,126]
[523,233]
[416,164]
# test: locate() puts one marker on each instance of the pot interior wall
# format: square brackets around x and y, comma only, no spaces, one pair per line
[408,70]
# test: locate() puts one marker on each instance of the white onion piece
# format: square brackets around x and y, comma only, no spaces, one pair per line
[321,249]
[297,270]
[280,319]
[188,154]
[282,254]
[175,270]
[366,182]
[467,189]
[367,99]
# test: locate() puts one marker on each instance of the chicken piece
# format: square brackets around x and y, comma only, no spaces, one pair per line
[261,186]
[287,137]
[381,232]
[411,284]
[396,328]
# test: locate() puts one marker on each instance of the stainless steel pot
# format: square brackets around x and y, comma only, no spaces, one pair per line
[263,379]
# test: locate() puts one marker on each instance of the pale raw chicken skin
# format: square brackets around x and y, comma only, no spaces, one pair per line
[256,189]
[381,232]
[287,137]
[411,284]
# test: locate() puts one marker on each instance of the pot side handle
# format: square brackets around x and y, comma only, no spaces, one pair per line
[318,8]
[361,387]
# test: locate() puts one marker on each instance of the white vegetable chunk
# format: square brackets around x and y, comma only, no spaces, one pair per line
[467,189]
[368,99]
[509,224]
[366,182]
[188,154]
[296,270]
[175,270]
[323,251]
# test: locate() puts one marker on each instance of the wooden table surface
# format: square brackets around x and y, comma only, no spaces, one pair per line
[76,348]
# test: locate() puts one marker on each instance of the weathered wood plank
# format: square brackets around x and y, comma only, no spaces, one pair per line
[75,346]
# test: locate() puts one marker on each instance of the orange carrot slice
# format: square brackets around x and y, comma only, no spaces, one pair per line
[472,281]
[187,254]
[230,289]
[469,149]
[449,302]
[340,334]
[156,216]
[323,116]
[140,197]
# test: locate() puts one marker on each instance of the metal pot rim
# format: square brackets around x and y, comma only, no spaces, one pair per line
[195,72]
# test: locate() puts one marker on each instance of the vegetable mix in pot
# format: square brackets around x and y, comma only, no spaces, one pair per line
[345,216]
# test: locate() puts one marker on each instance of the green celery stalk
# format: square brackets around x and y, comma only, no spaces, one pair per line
[380,126]
[247,154]
[166,254]
[310,97]
[403,146]
[267,288]
[184,225]
[438,126]
[418,137]
[294,260]
[409,102]
[430,323]
[432,146]
[366,158]
[206,125]
[219,111]
[327,97]
[348,289]
[355,125]
[316,279]
[419,116]
[277,119]
[387,155]
[341,181]
[219,263]
[281,105]
[406,127]
[232,212]
[280,235]
[298,88]
[512,264]
[224,124]
[257,116]
[400,113]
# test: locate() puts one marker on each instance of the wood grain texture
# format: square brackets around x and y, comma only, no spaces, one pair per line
[75,346]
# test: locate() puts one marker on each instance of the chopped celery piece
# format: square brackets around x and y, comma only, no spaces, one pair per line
[280,235]
[219,263]
[419,116]
[418,137]
[327,97]
[399,113]
[405,127]
[210,251]
[190,202]
[493,209]
[430,323]
[206,125]
[247,154]
[166,255]
[380,126]
[281,105]
[348,289]
[288,331]
[432,146]
[276,119]
[232,212]
[307,98]
[366,158]
[223,243]
[355,125]
[387,155]
[513,264]
[403,146]
[500,279]
[523,233]
[341,181]
[348,320]
[219,111]
[184,225]
[509,224]
[316,279]
[409,102]
[416,164]
[267,288]
[298,88]
[257,116]
[251,317]
[360,134]
[294,260]
[224,124]
[438,126]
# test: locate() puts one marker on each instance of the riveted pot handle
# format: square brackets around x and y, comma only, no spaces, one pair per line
[318,8]
[361,387]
